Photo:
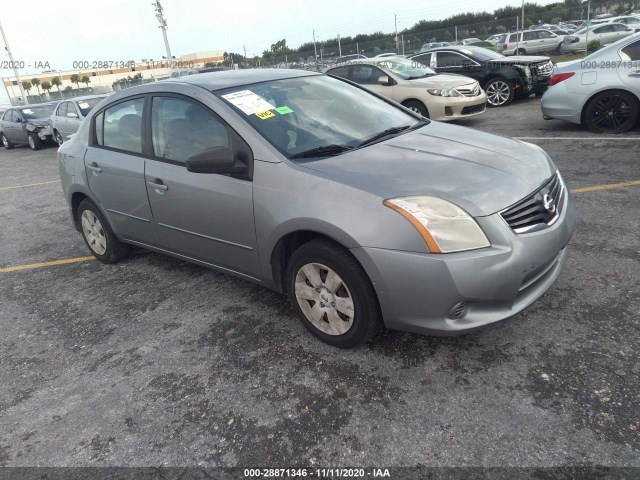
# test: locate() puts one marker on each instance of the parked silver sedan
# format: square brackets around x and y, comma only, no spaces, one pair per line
[601,91]
[361,211]
[69,114]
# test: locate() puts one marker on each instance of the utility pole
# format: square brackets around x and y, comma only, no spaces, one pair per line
[164,27]
[339,47]
[586,46]
[522,23]
[245,54]
[395,20]
[315,50]
[15,70]
[403,44]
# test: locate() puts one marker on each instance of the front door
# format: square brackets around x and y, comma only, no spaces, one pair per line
[206,217]
[115,171]
[368,75]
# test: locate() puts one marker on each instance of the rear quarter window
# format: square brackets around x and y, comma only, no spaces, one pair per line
[631,52]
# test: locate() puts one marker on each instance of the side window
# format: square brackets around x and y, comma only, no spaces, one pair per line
[366,74]
[526,36]
[62,109]
[545,34]
[181,128]
[423,59]
[631,52]
[340,72]
[99,123]
[449,59]
[7,116]
[605,29]
[122,126]
[619,28]
[15,116]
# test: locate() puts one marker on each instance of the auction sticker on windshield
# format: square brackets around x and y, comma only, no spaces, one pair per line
[247,101]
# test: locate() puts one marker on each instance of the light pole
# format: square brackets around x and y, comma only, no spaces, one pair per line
[164,27]
[15,70]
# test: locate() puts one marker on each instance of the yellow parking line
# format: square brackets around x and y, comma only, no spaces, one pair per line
[30,185]
[610,186]
[46,264]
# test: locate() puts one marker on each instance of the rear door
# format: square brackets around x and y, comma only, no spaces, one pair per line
[207,217]
[531,42]
[629,70]
[115,169]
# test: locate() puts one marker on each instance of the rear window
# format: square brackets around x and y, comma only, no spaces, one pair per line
[632,52]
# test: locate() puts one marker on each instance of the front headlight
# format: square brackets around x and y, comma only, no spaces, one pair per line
[445,227]
[443,92]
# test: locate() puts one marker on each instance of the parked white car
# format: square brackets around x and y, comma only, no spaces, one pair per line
[530,42]
[631,20]
[493,39]
[605,33]
[601,91]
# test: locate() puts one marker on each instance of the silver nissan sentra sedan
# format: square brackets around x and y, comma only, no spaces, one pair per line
[364,213]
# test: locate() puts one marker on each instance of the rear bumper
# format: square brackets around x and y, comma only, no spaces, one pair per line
[558,103]
[417,292]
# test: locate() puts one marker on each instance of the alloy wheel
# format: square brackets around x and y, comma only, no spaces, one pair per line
[32,143]
[5,142]
[611,113]
[93,232]
[498,93]
[59,139]
[324,299]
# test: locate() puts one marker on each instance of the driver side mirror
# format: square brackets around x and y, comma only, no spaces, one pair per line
[385,80]
[218,160]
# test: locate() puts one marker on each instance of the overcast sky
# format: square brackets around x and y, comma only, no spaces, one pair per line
[63,31]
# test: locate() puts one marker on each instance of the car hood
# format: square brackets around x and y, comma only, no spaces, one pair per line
[520,60]
[481,173]
[442,81]
[40,121]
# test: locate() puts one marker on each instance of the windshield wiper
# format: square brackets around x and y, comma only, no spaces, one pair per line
[391,131]
[325,151]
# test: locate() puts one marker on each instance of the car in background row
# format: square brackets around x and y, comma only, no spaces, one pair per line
[430,46]
[530,42]
[502,78]
[417,87]
[605,33]
[27,125]
[69,114]
[362,212]
[601,91]
[348,58]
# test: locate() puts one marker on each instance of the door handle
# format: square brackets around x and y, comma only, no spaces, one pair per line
[635,74]
[94,167]
[158,185]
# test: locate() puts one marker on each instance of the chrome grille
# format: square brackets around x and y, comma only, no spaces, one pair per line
[542,68]
[539,210]
[471,90]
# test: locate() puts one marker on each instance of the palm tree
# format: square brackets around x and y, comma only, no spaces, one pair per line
[27,86]
[36,83]
[55,81]
[86,80]
[46,86]
[75,78]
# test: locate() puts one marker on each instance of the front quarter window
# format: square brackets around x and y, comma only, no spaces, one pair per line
[320,113]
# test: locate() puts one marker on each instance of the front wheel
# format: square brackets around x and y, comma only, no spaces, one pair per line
[499,92]
[332,294]
[58,137]
[417,107]
[34,142]
[98,235]
[611,112]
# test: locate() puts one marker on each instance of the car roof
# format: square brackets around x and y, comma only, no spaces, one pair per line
[234,78]
[86,97]
[47,104]
[460,48]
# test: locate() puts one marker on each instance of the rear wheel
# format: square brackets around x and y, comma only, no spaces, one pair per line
[6,143]
[417,107]
[34,141]
[521,51]
[98,235]
[611,112]
[332,294]
[499,92]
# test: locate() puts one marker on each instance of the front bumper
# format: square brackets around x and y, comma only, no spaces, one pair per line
[445,109]
[417,291]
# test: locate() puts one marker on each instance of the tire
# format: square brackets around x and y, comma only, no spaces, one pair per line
[332,294]
[614,111]
[499,92]
[417,107]
[58,138]
[6,143]
[98,235]
[34,141]
[521,51]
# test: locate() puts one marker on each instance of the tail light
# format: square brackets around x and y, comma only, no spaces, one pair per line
[504,47]
[560,77]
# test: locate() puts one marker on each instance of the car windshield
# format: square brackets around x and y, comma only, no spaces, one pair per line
[316,116]
[87,105]
[37,111]
[405,69]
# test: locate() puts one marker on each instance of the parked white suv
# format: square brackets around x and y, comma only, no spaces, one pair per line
[530,42]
